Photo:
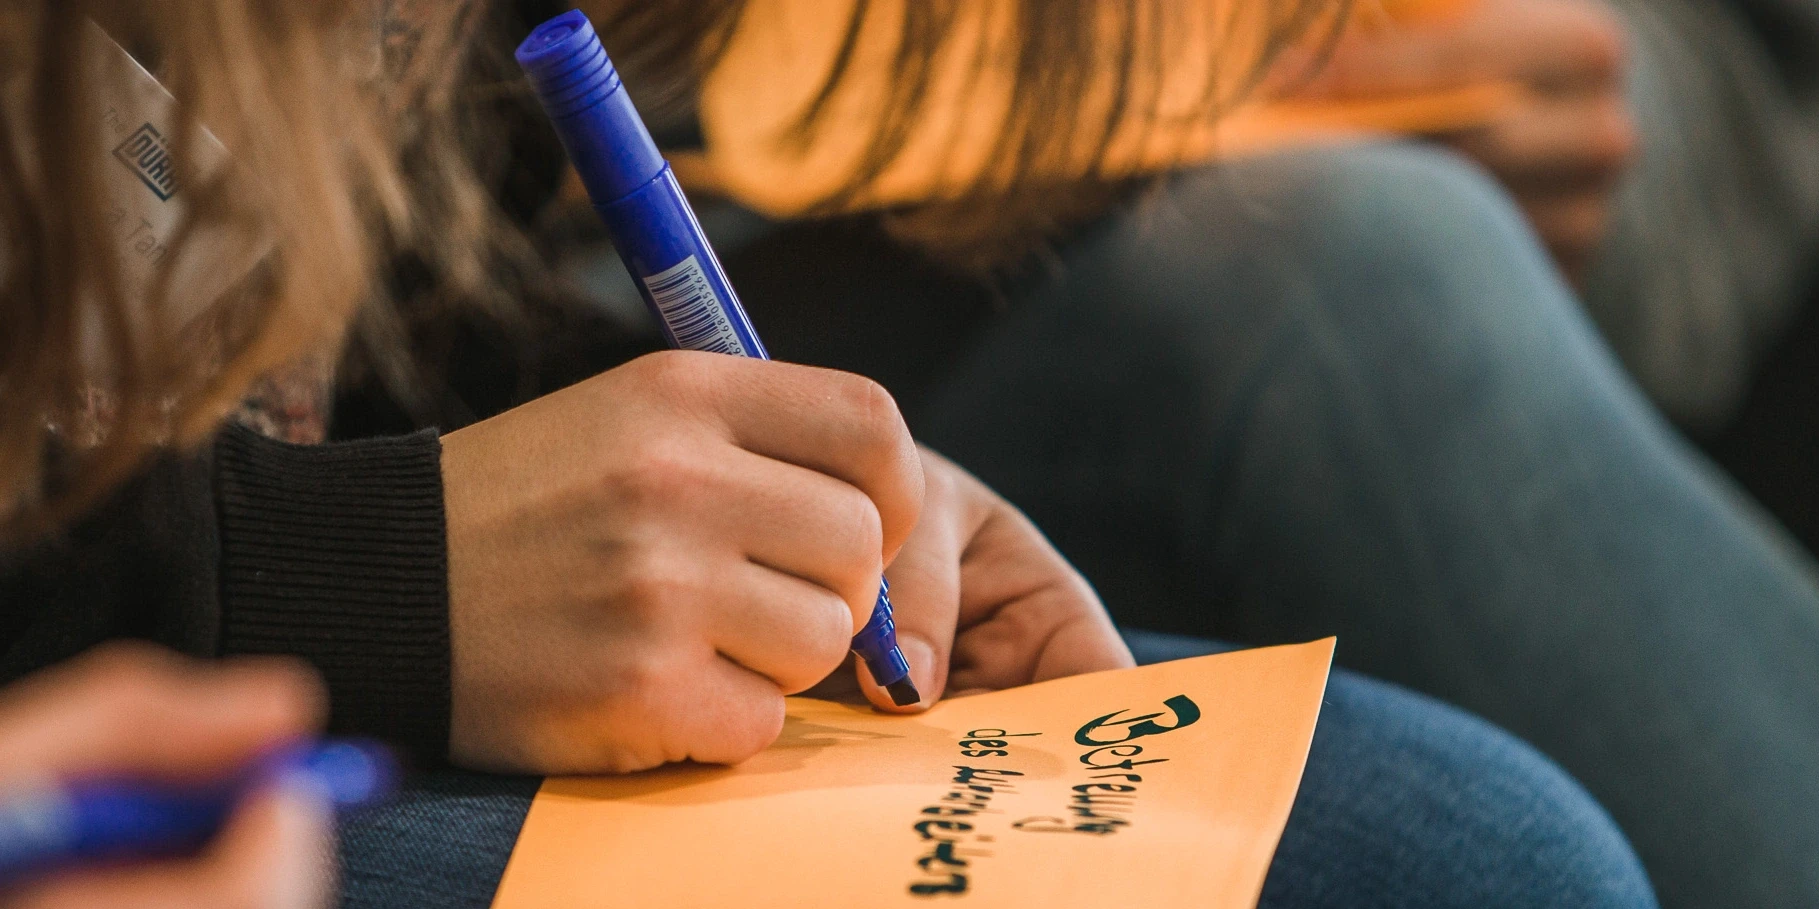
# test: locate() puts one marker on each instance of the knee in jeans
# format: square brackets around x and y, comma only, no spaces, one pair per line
[1406,240]
[1406,204]
[1408,260]
[1472,816]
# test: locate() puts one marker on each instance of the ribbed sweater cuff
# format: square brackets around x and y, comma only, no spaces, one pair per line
[336,553]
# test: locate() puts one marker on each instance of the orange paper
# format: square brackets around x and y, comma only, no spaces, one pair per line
[1164,785]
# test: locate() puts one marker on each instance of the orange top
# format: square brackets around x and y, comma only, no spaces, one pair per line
[784,50]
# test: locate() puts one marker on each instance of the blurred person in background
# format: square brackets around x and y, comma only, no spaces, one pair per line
[132,710]
[1271,374]
[1662,149]
[628,571]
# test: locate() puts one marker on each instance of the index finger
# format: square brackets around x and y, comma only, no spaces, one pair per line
[925,589]
[1567,46]
[1551,45]
[134,709]
[1391,62]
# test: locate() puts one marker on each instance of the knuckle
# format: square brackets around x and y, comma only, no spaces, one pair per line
[885,449]
[826,638]
[939,481]
[1607,46]
[651,588]
[875,413]
[658,474]
[1080,591]
[678,380]
[865,532]
[643,680]
[1600,42]
[1615,142]
[861,553]
[670,370]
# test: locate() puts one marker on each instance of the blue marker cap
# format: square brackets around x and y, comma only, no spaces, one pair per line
[120,819]
[876,643]
[582,93]
[662,244]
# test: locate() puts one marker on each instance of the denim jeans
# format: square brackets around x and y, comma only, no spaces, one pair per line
[1405,804]
[1344,392]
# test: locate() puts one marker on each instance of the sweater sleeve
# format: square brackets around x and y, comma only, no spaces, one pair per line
[337,554]
[141,564]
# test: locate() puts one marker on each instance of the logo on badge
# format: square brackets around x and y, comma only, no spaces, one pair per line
[149,158]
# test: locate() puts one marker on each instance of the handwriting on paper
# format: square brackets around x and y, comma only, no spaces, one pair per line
[1088,791]
[956,820]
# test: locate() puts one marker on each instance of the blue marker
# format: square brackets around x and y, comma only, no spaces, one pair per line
[112,820]
[661,242]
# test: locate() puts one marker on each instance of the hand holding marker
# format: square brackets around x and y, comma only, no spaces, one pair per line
[94,821]
[657,235]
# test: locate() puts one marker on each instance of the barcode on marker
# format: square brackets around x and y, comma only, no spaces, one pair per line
[696,316]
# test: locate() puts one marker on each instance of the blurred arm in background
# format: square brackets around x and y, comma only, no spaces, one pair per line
[1663,149]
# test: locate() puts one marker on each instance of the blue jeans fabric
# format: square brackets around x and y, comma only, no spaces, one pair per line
[1344,392]
[1405,803]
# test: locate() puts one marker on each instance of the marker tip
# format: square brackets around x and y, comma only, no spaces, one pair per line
[903,692]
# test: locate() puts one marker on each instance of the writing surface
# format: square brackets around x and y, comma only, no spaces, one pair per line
[1156,786]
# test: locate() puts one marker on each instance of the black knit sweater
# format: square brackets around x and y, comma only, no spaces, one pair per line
[334,553]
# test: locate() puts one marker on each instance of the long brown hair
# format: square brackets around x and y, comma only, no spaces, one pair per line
[343,154]
[343,143]
[1086,79]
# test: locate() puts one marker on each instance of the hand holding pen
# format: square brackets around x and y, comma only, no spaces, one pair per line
[641,565]
[130,777]
[637,196]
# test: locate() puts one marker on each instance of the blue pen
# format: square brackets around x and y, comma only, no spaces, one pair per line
[112,820]
[661,242]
